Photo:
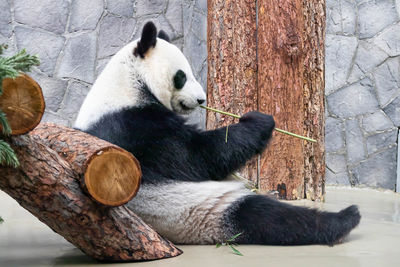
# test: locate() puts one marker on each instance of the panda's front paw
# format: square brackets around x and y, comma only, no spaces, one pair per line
[261,126]
[260,119]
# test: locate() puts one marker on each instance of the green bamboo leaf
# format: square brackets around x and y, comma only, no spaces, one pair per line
[234,237]
[226,135]
[1,220]
[218,245]
[235,251]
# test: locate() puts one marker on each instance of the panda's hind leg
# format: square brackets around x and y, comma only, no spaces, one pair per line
[263,220]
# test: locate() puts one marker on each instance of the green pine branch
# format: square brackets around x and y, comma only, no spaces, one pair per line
[21,61]
[7,155]
[4,124]
[11,67]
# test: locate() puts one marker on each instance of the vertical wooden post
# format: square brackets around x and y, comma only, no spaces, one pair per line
[232,64]
[314,95]
[281,94]
[275,65]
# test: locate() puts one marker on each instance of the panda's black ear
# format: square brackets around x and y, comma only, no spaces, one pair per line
[163,35]
[148,39]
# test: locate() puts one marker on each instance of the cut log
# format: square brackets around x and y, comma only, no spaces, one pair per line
[23,103]
[108,173]
[46,186]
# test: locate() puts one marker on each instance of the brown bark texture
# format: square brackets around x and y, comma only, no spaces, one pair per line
[108,173]
[232,65]
[47,186]
[281,94]
[287,57]
[314,109]
[23,103]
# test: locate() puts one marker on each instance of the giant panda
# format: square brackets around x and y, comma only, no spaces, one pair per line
[137,103]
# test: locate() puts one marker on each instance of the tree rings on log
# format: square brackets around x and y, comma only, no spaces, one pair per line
[112,176]
[23,103]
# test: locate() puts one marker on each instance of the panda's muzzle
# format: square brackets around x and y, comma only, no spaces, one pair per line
[184,107]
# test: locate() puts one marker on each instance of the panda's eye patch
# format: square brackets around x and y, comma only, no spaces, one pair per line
[179,79]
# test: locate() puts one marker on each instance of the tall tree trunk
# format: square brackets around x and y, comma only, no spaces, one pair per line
[314,108]
[232,64]
[284,49]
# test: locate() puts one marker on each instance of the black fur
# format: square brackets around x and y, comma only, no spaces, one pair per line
[179,79]
[263,220]
[163,35]
[168,149]
[148,39]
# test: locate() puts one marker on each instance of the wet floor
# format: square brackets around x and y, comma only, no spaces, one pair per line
[24,241]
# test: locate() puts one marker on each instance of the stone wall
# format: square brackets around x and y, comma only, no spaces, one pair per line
[75,39]
[362,91]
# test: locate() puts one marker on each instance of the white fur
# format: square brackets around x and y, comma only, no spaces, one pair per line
[117,86]
[187,212]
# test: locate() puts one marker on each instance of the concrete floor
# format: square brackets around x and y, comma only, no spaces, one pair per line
[24,241]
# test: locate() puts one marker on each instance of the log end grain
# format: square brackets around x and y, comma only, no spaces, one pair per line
[112,176]
[23,103]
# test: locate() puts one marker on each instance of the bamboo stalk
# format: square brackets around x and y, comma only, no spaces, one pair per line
[277,129]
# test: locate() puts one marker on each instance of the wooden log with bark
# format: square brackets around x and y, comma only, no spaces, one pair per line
[55,162]
[23,103]
[108,173]
[47,186]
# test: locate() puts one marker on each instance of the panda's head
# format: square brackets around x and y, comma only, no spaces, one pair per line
[166,71]
[151,63]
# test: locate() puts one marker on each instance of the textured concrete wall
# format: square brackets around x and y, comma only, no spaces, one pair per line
[362,91]
[75,39]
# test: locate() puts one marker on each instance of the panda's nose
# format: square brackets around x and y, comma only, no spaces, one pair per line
[200,101]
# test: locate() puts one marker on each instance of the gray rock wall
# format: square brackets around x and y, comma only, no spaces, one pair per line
[75,39]
[362,91]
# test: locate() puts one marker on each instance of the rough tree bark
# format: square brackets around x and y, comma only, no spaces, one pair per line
[108,173]
[232,64]
[287,82]
[46,185]
[314,108]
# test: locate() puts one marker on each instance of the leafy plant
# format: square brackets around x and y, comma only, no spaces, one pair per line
[231,244]
[1,220]
[10,67]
